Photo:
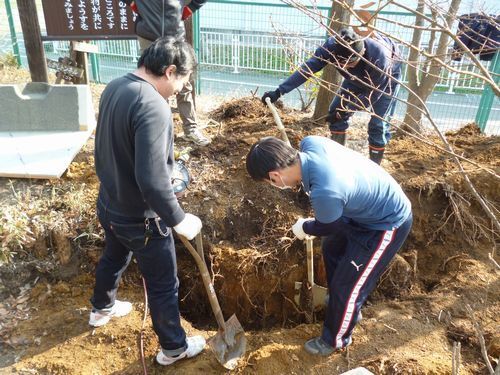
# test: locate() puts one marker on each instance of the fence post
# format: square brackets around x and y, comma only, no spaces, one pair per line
[196,46]
[452,79]
[96,69]
[483,112]
[13,36]
[236,53]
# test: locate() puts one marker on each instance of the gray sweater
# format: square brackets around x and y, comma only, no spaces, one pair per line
[134,151]
[159,18]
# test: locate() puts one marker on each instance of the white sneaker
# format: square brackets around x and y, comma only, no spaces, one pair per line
[101,317]
[195,345]
[197,137]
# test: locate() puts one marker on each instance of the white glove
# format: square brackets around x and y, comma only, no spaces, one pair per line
[298,230]
[189,227]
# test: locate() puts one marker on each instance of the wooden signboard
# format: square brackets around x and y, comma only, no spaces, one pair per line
[88,19]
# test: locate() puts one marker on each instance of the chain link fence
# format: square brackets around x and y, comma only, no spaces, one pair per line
[246,47]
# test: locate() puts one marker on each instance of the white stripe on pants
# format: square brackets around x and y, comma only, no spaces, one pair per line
[346,320]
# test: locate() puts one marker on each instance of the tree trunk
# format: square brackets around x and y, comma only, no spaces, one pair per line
[423,88]
[330,76]
[413,115]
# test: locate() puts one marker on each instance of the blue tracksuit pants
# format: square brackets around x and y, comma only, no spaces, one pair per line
[355,257]
[349,99]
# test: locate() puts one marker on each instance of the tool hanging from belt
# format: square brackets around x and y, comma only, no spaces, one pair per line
[180,177]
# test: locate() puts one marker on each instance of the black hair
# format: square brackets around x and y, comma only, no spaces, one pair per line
[347,44]
[267,155]
[167,51]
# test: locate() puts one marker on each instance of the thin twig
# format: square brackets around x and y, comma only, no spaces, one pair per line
[480,337]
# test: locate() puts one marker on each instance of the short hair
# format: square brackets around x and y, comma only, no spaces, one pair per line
[267,155]
[348,43]
[167,51]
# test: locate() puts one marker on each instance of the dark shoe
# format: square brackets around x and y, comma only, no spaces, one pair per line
[376,154]
[338,137]
[318,346]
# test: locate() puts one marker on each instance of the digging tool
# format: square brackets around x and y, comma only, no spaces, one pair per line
[278,121]
[229,344]
[318,292]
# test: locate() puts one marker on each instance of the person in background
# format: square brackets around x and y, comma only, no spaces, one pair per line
[360,211]
[160,18]
[480,33]
[371,68]
[136,204]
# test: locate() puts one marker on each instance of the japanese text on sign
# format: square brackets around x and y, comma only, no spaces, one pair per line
[88,19]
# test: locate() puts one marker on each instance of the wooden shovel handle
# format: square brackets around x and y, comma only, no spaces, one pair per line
[277,119]
[310,259]
[207,281]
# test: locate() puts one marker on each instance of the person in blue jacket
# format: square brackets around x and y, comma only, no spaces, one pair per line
[480,33]
[371,68]
[360,211]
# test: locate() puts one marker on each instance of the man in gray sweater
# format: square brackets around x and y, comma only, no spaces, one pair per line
[136,206]
[159,18]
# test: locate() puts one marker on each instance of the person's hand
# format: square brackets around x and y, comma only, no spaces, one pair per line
[186,13]
[273,95]
[189,227]
[298,230]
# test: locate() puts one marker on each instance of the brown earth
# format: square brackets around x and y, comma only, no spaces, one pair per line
[409,323]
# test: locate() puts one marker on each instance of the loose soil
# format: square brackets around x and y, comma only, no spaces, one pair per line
[410,322]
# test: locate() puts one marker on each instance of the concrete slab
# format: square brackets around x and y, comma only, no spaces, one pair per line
[42,107]
[39,154]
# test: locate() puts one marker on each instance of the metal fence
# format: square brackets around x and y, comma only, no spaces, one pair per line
[242,46]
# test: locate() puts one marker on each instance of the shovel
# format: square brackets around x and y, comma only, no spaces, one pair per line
[318,292]
[229,344]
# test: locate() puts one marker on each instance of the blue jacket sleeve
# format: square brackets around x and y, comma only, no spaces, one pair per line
[317,62]
[315,228]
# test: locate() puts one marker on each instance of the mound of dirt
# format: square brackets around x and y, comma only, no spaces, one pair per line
[245,108]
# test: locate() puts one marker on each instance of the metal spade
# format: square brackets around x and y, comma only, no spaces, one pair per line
[229,344]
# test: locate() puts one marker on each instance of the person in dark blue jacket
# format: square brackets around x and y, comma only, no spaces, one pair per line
[360,211]
[371,68]
[480,33]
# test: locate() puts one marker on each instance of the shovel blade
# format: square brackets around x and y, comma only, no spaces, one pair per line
[229,345]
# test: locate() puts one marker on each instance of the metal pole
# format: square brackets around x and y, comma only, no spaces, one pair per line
[94,62]
[484,109]
[196,46]
[13,36]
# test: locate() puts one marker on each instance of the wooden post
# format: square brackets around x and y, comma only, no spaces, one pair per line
[33,40]
[79,55]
